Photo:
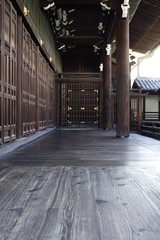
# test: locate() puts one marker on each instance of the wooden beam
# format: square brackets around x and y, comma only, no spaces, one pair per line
[44,3]
[71,80]
[79,40]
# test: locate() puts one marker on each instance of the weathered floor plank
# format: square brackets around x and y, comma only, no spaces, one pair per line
[81,185]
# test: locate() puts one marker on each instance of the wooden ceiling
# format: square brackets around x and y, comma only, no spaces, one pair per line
[80,25]
[145,26]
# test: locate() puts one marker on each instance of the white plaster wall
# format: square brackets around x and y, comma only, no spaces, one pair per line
[152,103]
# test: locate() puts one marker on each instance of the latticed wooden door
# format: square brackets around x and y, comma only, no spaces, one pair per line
[8,71]
[133,114]
[79,104]
[29,84]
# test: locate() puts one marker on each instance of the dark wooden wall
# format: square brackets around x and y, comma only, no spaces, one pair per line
[27,85]
[8,49]
[80,62]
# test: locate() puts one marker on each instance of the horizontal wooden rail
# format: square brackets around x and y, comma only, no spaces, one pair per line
[76,77]
[151,128]
[151,116]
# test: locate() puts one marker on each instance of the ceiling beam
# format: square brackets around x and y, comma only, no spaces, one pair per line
[43,3]
[79,40]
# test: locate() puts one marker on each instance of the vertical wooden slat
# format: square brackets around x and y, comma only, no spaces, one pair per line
[32,88]
[101,106]
[7,47]
[47,96]
[37,88]
[29,83]
[42,92]
[57,103]
[19,76]
[54,100]
[2,71]
[9,75]
[51,98]
[13,73]
[26,83]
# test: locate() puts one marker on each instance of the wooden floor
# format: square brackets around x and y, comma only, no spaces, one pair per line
[81,185]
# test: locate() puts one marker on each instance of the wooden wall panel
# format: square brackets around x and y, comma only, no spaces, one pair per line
[1,73]
[29,84]
[51,98]
[42,92]
[8,71]
[80,63]
[27,98]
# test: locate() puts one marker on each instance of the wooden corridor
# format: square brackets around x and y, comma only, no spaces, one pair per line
[81,185]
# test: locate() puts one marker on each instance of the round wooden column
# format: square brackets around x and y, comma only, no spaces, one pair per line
[107,69]
[122,60]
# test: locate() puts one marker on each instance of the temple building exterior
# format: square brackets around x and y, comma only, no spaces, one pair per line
[51,55]
[65,83]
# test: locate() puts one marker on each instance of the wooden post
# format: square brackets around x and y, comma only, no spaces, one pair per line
[37,88]
[159,110]
[140,109]
[19,76]
[144,108]
[122,59]
[107,92]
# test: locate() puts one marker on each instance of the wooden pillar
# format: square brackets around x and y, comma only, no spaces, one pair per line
[144,108]
[19,76]
[37,88]
[107,92]
[159,110]
[140,109]
[122,59]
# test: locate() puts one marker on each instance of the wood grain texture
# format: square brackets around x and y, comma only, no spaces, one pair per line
[81,185]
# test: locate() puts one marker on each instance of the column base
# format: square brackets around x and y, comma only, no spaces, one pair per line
[117,136]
